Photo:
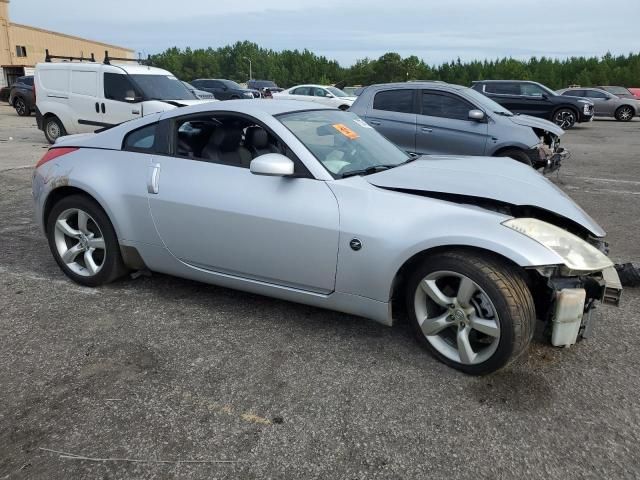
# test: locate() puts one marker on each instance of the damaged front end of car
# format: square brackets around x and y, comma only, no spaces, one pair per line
[548,155]
[566,295]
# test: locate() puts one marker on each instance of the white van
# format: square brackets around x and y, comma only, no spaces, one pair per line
[80,97]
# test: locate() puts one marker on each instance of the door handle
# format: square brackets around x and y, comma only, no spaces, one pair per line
[154,177]
[97,107]
[375,122]
[103,108]
[135,112]
[427,129]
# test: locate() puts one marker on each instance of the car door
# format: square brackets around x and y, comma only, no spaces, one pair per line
[444,127]
[84,99]
[121,100]
[393,114]
[603,103]
[534,101]
[324,97]
[223,218]
[506,94]
[301,93]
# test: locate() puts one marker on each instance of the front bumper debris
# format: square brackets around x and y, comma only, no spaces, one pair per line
[571,314]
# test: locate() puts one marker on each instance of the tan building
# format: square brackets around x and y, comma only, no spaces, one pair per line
[21,47]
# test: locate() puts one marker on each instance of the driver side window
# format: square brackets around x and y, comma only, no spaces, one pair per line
[320,92]
[531,90]
[118,87]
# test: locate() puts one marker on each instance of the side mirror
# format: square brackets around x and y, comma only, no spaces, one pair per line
[272,164]
[544,96]
[132,99]
[477,115]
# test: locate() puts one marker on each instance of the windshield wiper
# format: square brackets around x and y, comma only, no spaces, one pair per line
[504,114]
[376,168]
[367,171]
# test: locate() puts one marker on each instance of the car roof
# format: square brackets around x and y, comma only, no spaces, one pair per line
[250,107]
[133,69]
[419,84]
[504,81]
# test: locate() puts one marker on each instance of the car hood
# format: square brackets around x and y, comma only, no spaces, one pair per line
[469,178]
[534,122]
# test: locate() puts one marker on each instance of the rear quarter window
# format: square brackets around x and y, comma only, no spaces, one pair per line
[394,101]
[141,140]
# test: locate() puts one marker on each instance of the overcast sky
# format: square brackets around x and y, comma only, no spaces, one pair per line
[435,30]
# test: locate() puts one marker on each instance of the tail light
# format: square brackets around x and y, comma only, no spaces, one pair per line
[53,153]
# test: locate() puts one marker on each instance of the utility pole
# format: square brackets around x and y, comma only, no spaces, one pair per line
[250,70]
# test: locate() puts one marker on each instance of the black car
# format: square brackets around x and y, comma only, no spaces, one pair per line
[224,89]
[21,96]
[532,98]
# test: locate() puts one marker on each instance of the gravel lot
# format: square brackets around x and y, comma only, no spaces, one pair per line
[167,369]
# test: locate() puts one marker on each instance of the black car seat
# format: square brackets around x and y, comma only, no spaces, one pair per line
[256,139]
[224,147]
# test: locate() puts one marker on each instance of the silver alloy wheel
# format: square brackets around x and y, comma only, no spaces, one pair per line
[79,242]
[457,317]
[21,107]
[565,119]
[53,129]
[625,114]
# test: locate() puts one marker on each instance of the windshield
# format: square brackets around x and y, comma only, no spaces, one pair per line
[337,92]
[486,103]
[342,141]
[162,87]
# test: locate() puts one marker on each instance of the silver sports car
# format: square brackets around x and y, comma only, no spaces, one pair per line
[310,204]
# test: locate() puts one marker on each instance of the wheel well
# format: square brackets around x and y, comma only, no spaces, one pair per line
[58,194]
[402,275]
[506,149]
[568,107]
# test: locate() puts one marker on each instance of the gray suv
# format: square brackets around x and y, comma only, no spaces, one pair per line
[442,119]
[606,104]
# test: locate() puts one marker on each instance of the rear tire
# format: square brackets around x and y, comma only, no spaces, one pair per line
[53,129]
[624,113]
[83,241]
[483,316]
[517,155]
[21,107]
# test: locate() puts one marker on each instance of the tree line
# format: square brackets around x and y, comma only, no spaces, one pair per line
[292,67]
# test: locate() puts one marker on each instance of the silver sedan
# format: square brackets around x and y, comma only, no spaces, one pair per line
[310,204]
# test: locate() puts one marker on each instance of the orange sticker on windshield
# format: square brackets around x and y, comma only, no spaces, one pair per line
[346,131]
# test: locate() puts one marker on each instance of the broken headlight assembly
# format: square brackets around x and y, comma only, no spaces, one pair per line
[577,255]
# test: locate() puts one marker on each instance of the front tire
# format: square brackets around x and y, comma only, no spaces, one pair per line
[565,118]
[517,155]
[53,129]
[624,113]
[344,108]
[474,313]
[83,241]
[21,107]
